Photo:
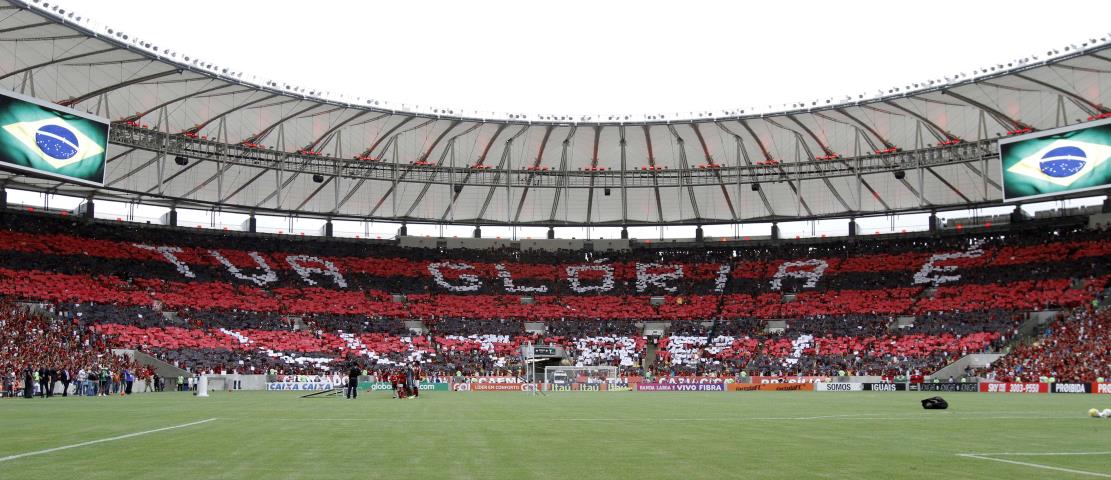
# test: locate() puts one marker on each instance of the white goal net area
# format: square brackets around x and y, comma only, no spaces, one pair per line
[580,375]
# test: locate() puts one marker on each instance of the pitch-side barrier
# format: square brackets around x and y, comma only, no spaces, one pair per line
[709,384]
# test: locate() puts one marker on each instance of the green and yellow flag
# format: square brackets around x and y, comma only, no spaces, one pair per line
[52,141]
[1060,163]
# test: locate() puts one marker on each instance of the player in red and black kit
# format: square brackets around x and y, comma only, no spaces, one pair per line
[397,381]
[416,374]
[391,376]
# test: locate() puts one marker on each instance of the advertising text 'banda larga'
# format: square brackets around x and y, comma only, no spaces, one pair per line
[51,140]
[1058,161]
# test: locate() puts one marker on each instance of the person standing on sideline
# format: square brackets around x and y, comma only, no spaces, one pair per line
[128,381]
[105,381]
[94,383]
[352,390]
[79,385]
[63,376]
[51,379]
[40,379]
[9,383]
[28,383]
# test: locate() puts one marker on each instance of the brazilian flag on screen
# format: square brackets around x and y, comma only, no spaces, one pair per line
[1060,163]
[51,141]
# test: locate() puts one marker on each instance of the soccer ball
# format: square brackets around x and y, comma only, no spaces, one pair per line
[1093,413]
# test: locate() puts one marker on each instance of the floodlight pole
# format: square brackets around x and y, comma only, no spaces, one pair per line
[281,147]
[798,179]
[451,180]
[164,120]
[740,197]
[339,171]
[509,181]
[859,179]
[982,133]
[222,130]
[918,159]
[393,173]
[624,191]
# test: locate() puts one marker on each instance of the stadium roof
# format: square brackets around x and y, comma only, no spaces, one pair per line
[265,146]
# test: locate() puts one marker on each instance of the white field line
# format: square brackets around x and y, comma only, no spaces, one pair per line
[1035,454]
[102,440]
[1038,465]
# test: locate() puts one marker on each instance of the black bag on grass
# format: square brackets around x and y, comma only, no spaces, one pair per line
[935,403]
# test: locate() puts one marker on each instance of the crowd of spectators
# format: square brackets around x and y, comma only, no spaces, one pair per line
[825,345]
[832,345]
[355,324]
[228,301]
[43,354]
[852,343]
[66,246]
[1073,349]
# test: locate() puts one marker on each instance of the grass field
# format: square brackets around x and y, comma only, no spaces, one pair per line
[577,435]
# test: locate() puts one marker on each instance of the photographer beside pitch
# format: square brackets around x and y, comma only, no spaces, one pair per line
[351,390]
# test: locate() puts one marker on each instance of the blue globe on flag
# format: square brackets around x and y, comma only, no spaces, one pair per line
[57,141]
[1063,162]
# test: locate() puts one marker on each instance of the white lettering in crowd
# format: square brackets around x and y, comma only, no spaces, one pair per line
[169,252]
[471,282]
[722,277]
[936,275]
[507,282]
[297,261]
[577,286]
[266,276]
[799,269]
[647,274]
[644,278]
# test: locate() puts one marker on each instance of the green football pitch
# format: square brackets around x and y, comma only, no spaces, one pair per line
[573,435]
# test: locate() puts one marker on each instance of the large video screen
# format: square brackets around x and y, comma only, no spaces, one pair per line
[47,139]
[1058,161]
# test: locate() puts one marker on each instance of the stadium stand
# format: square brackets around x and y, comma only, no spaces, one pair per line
[36,339]
[1073,349]
[221,301]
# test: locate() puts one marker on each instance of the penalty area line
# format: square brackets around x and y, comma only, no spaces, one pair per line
[1038,465]
[102,440]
